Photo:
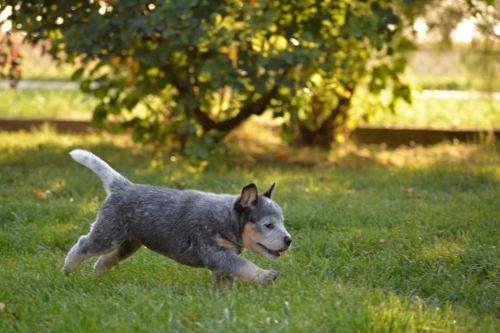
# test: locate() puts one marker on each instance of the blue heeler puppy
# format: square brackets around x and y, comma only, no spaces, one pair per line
[194,228]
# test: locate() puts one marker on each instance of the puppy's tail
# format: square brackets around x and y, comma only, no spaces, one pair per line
[111,179]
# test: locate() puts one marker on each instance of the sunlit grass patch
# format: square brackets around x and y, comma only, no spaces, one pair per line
[424,112]
[442,113]
[46,103]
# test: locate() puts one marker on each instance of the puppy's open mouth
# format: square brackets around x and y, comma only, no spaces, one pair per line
[280,253]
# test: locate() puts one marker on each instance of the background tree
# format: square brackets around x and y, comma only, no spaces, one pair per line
[190,71]
[444,16]
[479,56]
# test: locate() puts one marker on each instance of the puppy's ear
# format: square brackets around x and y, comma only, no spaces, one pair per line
[249,195]
[270,191]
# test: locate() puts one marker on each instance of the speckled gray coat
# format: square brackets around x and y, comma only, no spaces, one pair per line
[191,227]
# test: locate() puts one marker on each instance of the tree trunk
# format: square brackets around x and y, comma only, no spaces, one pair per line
[324,135]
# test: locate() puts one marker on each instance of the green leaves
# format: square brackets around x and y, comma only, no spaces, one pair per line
[77,74]
[186,69]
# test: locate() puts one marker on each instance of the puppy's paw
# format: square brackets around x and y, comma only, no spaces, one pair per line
[98,267]
[67,269]
[269,276]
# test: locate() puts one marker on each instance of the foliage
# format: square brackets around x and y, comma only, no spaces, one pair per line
[445,16]
[199,68]
[479,57]
[360,44]
[10,61]
[194,70]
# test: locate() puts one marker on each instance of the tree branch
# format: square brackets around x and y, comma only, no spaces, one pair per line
[258,107]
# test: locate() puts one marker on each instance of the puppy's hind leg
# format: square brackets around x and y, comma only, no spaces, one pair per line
[76,255]
[111,259]
[103,238]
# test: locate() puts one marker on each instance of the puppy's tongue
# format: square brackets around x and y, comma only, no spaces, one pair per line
[281,253]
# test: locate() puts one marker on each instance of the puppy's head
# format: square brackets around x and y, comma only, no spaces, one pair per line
[264,231]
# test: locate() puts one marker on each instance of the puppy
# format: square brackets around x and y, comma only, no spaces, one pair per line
[194,228]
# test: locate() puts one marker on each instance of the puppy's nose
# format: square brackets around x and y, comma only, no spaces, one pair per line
[288,240]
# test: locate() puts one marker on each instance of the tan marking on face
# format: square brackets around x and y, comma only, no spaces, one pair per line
[227,244]
[250,237]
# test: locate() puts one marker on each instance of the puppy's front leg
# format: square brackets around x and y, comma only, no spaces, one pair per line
[225,263]
[251,272]
[248,272]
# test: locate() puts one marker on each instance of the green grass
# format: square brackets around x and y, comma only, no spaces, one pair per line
[464,81]
[384,241]
[431,112]
[440,113]
[43,103]
[462,67]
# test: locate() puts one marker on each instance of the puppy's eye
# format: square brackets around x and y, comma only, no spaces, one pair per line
[269,226]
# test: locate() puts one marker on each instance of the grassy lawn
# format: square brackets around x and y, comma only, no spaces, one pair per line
[432,112]
[440,113]
[384,241]
[43,103]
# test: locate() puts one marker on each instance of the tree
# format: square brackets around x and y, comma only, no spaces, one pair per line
[10,61]
[445,16]
[480,55]
[193,70]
